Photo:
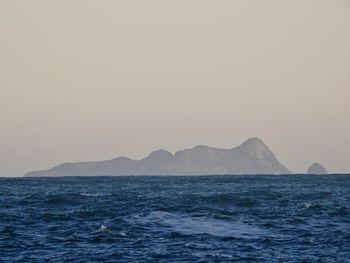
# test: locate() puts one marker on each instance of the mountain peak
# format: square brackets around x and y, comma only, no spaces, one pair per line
[254,141]
[256,147]
[160,155]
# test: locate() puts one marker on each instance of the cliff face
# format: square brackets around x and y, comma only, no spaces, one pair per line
[252,157]
[317,168]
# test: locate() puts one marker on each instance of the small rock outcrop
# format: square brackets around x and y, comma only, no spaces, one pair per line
[317,168]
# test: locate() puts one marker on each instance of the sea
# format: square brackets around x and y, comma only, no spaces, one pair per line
[231,218]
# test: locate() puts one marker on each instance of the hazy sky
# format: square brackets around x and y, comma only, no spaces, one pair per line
[91,80]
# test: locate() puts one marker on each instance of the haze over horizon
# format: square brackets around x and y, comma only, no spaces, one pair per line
[93,80]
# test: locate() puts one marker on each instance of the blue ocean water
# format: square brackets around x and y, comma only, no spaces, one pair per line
[294,218]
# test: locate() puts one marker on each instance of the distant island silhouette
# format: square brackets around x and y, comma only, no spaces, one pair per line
[317,168]
[251,157]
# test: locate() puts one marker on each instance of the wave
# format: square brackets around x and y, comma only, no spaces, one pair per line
[104,229]
[188,225]
[92,195]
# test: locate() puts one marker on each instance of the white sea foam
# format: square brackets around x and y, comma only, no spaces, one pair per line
[92,195]
[202,225]
[104,229]
[123,234]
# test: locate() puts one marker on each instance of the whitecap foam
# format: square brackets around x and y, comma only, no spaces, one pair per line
[104,229]
[307,205]
[91,194]
[203,225]
[123,234]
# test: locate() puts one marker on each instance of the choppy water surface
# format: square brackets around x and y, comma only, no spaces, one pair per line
[296,218]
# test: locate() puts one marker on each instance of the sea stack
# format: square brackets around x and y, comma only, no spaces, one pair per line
[317,168]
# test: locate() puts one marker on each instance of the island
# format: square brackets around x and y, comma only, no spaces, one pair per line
[317,168]
[251,157]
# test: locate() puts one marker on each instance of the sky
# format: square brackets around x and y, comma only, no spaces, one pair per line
[92,80]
